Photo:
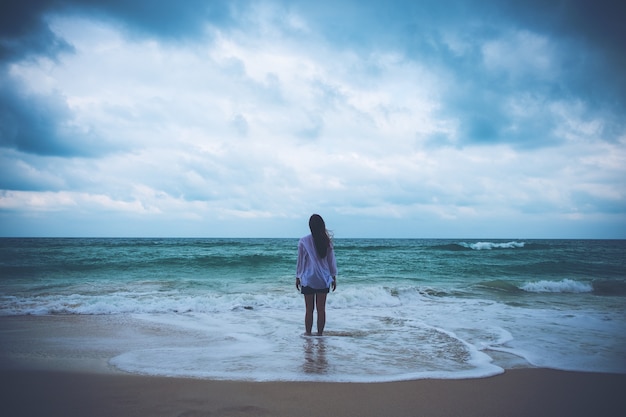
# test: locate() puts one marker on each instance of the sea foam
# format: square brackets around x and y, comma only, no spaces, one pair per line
[563,286]
[492,245]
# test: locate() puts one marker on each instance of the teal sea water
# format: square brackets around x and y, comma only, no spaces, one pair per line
[403,309]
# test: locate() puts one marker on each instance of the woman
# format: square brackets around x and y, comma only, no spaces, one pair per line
[316,272]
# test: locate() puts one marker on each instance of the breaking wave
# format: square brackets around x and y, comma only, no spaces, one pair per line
[563,286]
[492,245]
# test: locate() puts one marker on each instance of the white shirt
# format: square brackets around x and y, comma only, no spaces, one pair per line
[313,271]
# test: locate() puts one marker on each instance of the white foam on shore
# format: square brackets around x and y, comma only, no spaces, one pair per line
[221,348]
[433,338]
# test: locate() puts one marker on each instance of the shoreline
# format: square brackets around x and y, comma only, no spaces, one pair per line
[80,343]
[47,368]
[517,392]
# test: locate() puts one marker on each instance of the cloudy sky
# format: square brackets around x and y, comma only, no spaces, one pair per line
[432,118]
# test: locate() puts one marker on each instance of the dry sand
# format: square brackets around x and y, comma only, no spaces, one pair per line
[519,392]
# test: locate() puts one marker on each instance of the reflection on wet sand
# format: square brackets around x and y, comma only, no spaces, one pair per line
[315,356]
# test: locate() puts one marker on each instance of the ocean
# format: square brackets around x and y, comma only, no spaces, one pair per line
[403,308]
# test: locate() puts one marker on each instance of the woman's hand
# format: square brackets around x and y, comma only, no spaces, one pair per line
[298,284]
[334,284]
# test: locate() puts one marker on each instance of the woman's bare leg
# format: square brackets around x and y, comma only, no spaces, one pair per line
[309,301]
[320,302]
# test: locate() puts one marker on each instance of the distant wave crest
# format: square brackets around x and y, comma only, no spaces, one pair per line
[464,246]
[492,245]
[563,286]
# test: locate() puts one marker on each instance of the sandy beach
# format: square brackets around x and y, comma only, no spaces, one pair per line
[519,392]
[41,374]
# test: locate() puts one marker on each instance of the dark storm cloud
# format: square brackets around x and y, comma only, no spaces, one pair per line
[38,124]
[595,32]
[41,125]
[598,22]
[587,40]
[164,19]
[24,30]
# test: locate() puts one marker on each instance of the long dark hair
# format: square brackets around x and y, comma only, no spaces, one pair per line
[320,235]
